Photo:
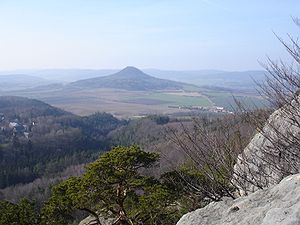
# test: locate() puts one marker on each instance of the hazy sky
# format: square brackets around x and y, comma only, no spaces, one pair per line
[165,34]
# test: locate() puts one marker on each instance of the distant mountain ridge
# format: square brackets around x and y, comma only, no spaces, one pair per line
[241,80]
[20,81]
[132,79]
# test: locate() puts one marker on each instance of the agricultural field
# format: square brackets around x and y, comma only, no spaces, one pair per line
[228,99]
[172,98]
[127,104]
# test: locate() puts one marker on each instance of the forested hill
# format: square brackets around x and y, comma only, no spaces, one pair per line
[24,108]
[132,79]
[37,139]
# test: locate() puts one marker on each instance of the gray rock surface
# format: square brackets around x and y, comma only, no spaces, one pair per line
[277,205]
[273,153]
[90,220]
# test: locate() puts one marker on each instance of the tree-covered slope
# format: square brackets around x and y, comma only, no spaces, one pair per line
[37,139]
[14,106]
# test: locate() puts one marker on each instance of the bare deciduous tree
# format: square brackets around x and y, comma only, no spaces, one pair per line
[211,148]
[279,152]
[273,153]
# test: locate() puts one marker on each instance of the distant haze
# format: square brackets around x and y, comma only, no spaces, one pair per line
[219,78]
[165,34]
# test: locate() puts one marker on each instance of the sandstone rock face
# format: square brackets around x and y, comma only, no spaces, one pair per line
[277,205]
[273,153]
[90,220]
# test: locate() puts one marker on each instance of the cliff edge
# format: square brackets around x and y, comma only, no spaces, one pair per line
[277,205]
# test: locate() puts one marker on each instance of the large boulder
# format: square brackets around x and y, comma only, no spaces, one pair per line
[277,205]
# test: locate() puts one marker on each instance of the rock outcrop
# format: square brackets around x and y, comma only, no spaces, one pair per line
[271,157]
[90,220]
[277,205]
[273,153]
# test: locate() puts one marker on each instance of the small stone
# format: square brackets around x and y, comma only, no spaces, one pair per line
[234,209]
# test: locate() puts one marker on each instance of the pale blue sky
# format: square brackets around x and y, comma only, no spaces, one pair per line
[164,34]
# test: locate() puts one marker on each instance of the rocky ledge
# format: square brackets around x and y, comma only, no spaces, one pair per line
[277,205]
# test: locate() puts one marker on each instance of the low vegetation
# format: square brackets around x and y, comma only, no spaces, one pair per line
[111,187]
